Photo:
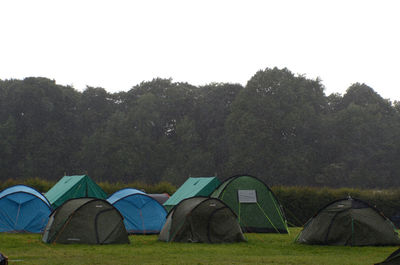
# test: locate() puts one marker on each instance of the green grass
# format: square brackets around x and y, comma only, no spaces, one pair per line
[27,249]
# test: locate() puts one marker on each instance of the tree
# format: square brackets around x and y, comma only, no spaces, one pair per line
[274,127]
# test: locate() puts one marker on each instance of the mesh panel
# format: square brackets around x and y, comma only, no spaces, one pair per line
[223,227]
[110,228]
[180,212]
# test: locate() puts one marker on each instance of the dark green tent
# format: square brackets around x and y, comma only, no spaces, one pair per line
[254,203]
[203,220]
[393,259]
[86,221]
[349,222]
[70,187]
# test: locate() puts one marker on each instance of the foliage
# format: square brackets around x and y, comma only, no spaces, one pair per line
[280,127]
[43,185]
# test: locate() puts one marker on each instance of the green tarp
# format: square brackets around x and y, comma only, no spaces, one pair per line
[192,187]
[70,187]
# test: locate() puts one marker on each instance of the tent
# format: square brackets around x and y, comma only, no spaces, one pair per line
[142,214]
[252,200]
[86,221]
[393,259]
[3,259]
[192,187]
[160,197]
[23,209]
[351,222]
[203,220]
[70,187]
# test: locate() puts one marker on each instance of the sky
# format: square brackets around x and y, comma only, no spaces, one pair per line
[118,44]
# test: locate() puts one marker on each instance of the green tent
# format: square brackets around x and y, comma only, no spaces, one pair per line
[201,220]
[393,259]
[86,221]
[70,187]
[254,203]
[349,222]
[192,187]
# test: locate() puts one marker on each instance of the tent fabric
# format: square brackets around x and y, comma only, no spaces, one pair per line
[23,209]
[142,214]
[160,197]
[201,220]
[70,187]
[86,221]
[203,186]
[254,203]
[349,222]
[393,259]
[3,259]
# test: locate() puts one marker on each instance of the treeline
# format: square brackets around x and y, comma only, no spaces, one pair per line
[280,127]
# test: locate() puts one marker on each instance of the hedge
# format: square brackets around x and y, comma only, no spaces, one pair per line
[299,203]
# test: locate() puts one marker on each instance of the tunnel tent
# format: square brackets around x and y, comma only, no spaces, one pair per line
[23,209]
[70,187]
[256,206]
[393,259]
[202,186]
[86,221]
[349,222]
[201,220]
[142,214]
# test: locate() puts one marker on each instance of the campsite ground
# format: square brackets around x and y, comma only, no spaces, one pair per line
[24,249]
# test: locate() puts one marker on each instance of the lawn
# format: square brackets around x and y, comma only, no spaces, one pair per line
[27,249]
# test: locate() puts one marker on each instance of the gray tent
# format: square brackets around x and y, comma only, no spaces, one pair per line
[349,222]
[201,219]
[86,221]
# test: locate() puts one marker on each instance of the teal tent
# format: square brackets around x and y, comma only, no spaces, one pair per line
[192,187]
[71,187]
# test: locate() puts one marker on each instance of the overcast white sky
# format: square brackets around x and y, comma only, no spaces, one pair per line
[117,44]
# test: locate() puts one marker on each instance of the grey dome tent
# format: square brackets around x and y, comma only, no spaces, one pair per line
[86,221]
[393,259]
[349,222]
[254,203]
[203,220]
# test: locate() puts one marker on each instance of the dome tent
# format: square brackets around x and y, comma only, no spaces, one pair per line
[202,220]
[86,221]
[349,221]
[142,214]
[23,209]
[70,187]
[254,203]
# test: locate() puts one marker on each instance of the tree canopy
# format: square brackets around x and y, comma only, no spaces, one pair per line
[280,127]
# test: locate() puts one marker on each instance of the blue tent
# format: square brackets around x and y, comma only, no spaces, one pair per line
[23,209]
[142,214]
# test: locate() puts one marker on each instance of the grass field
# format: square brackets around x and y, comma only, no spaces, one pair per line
[27,249]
